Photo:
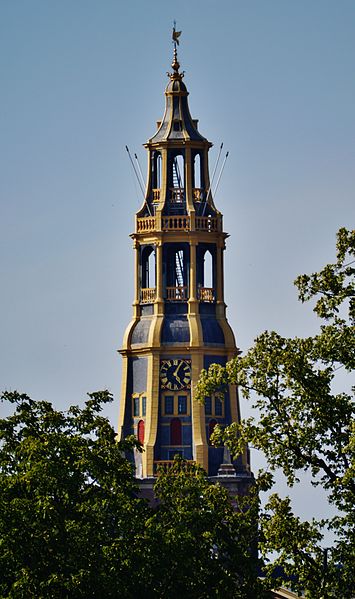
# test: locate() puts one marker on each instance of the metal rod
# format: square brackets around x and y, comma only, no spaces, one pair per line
[139,182]
[140,170]
[220,174]
[135,171]
[213,175]
[214,171]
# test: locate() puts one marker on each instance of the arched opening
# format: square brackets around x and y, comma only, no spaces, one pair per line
[197,173]
[151,269]
[211,427]
[208,270]
[148,279]
[206,279]
[140,431]
[156,171]
[176,274]
[179,172]
[175,432]
[176,182]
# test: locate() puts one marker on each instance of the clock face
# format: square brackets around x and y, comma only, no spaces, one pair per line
[175,374]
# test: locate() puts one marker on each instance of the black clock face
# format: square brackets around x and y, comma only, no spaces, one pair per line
[175,374]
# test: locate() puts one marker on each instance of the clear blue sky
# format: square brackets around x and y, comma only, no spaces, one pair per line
[274,80]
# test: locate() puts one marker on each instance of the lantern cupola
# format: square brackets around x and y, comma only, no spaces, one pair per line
[178,176]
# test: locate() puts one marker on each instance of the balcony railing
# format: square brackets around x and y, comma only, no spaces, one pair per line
[206,294]
[145,224]
[175,223]
[176,294]
[207,223]
[166,464]
[179,223]
[148,295]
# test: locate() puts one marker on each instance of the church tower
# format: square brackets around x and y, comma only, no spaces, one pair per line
[179,323]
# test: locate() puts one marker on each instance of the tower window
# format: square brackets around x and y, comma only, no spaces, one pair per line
[136,406]
[169,404]
[177,126]
[182,404]
[218,407]
[144,406]
[208,406]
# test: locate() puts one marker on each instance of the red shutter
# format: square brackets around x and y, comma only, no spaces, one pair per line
[175,432]
[141,431]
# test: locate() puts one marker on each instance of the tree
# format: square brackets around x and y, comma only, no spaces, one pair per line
[69,515]
[207,548]
[303,424]
[72,524]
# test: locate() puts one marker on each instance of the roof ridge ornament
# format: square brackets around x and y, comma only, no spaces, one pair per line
[175,64]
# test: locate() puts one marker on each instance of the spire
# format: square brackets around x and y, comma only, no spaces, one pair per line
[177,123]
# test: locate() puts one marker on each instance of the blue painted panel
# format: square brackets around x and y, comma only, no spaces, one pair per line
[212,331]
[175,330]
[139,374]
[187,435]
[215,459]
[207,308]
[128,416]
[215,454]
[175,308]
[208,360]
[165,435]
[141,331]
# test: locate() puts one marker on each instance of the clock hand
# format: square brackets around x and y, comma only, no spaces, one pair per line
[177,370]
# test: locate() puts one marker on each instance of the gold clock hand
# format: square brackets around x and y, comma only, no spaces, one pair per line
[177,370]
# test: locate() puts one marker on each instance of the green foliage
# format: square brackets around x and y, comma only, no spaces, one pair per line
[73,526]
[303,424]
[69,518]
[207,548]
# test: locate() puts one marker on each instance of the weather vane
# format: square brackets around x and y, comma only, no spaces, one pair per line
[175,36]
